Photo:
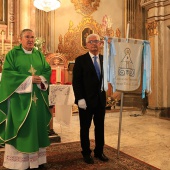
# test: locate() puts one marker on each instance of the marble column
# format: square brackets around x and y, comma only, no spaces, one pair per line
[158,26]
[24,14]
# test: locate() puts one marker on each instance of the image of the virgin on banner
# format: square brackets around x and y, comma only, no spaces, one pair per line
[128,62]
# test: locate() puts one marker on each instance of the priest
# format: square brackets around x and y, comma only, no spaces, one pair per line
[24,107]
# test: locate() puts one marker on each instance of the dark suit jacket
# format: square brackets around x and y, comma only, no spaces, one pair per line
[86,84]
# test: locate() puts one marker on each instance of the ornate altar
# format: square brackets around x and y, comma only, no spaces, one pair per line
[74,40]
[59,66]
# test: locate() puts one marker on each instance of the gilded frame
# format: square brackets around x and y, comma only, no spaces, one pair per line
[85,32]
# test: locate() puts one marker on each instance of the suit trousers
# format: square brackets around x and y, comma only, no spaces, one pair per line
[96,114]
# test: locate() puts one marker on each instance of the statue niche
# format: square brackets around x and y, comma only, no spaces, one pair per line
[59,67]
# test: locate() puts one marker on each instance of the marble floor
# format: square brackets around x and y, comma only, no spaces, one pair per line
[143,136]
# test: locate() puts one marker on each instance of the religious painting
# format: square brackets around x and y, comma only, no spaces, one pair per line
[85,33]
[3,11]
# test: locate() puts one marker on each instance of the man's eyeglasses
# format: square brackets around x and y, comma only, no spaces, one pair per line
[28,37]
[93,41]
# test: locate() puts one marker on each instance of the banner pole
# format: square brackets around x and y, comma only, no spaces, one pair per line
[120,124]
[121,106]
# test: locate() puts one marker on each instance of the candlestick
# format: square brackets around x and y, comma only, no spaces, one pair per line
[58,74]
[62,75]
[11,41]
[2,33]
[127,31]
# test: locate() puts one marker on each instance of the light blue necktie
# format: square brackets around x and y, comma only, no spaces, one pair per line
[96,65]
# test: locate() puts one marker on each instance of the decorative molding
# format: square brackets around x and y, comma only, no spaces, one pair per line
[86,7]
[152,28]
[146,2]
[3,12]
[11,17]
[153,3]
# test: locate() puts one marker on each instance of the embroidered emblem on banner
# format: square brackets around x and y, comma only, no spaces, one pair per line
[126,65]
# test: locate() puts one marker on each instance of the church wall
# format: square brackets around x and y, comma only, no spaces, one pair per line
[114,9]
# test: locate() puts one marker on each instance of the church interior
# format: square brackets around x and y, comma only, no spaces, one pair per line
[60,36]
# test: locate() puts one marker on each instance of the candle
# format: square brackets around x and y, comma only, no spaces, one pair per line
[62,76]
[58,75]
[127,31]
[2,33]
[53,77]
[11,41]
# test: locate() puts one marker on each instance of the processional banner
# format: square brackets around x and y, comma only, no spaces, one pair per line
[123,60]
[128,62]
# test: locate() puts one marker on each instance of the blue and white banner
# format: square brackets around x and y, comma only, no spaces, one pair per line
[128,62]
[123,67]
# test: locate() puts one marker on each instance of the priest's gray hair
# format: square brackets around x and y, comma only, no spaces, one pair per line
[25,30]
[92,35]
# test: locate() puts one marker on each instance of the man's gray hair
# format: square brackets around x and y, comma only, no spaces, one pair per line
[25,30]
[92,35]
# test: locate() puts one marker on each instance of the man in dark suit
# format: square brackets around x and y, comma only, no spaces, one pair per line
[90,98]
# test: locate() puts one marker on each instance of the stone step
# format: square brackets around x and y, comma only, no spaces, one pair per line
[134,100]
[165,113]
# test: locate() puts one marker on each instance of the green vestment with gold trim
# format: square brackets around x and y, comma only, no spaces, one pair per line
[24,117]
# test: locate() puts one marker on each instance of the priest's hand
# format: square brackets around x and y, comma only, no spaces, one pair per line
[82,104]
[36,79]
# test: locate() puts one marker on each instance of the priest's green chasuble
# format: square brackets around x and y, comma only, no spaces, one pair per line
[24,117]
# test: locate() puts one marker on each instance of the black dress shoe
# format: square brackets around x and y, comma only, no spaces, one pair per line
[102,157]
[52,133]
[88,159]
[42,166]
